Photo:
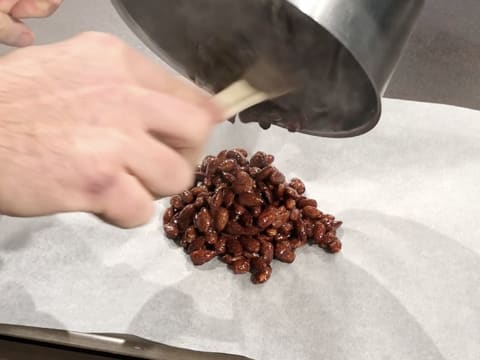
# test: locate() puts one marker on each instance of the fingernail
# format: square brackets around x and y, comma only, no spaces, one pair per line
[48,5]
[24,39]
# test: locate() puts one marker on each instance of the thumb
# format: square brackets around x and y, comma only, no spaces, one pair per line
[34,8]
[14,33]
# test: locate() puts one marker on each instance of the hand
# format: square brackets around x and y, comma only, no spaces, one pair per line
[12,31]
[91,125]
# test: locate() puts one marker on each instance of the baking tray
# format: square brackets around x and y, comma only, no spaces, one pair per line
[22,342]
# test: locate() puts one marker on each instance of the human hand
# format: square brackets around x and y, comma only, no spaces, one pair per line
[12,31]
[91,125]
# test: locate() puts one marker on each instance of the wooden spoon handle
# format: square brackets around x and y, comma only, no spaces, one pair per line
[240,96]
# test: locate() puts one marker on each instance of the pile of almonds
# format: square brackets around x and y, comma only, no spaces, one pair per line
[245,212]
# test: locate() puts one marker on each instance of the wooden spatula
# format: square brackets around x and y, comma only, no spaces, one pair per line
[260,83]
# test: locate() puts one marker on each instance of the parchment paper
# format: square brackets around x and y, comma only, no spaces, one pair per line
[406,285]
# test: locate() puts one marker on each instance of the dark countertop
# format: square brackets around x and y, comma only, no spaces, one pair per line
[442,60]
